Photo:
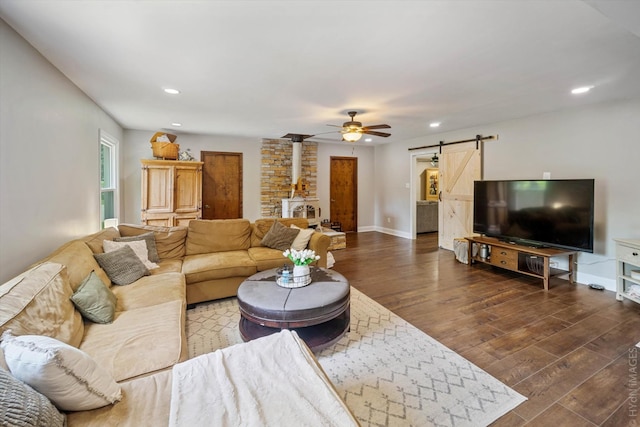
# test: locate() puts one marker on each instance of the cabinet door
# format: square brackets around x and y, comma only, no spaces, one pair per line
[157,189]
[160,219]
[183,219]
[187,189]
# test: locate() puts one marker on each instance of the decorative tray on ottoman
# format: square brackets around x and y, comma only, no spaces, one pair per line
[289,278]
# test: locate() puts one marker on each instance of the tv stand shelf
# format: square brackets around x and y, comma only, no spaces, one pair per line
[519,258]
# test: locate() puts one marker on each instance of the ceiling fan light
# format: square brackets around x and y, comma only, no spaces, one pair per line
[352,136]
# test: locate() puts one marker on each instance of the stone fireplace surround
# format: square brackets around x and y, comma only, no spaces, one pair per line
[276,172]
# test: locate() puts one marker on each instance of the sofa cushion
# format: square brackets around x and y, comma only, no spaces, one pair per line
[150,240]
[122,265]
[168,266]
[146,402]
[38,303]
[220,265]
[170,241]
[21,405]
[279,237]
[78,258]
[94,300]
[150,290]
[218,235]
[138,341]
[66,375]
[94,241]
[266,258]
[262,226]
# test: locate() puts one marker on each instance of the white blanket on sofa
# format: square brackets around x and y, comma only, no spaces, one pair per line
[271,381]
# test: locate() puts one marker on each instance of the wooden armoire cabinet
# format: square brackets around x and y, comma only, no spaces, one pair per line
[171,192]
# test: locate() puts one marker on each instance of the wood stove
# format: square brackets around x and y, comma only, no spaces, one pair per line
[299,207]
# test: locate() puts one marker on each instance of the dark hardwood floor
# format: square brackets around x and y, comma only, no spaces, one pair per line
[571,350]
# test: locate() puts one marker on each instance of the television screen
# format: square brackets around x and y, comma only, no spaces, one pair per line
[557,213]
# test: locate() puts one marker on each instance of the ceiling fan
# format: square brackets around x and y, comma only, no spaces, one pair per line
[352,130]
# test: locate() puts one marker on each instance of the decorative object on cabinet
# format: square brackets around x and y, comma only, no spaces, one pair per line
[627,264]
[521,259]
[432,185]
[171,192]
[163,146]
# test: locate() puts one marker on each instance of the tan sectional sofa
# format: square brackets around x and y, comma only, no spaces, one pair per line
[215,256]
[204,261]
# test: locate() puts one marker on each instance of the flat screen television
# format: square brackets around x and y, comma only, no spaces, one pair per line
[553,213]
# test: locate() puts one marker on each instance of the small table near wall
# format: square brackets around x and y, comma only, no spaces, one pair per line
[318,312]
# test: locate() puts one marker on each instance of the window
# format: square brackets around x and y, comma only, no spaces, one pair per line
[108,180]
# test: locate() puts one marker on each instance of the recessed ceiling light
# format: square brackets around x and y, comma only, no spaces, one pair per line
[583,89]
[176,124]
[434,124]
[368,140]
[171,91]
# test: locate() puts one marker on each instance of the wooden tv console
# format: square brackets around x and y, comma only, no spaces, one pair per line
[527,260]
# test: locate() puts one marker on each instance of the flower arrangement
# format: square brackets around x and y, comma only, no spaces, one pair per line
[304,257]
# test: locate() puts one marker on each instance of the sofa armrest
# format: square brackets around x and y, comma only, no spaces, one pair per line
[319,243]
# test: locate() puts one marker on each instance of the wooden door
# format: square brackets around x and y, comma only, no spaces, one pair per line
[343,192]
[221,185]
[459,166]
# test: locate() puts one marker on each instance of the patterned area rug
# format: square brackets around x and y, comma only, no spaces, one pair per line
[387,371]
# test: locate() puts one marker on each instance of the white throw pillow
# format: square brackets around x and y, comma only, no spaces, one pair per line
[138,246]
[302,239]
[67,376]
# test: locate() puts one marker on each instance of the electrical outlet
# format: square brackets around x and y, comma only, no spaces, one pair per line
[389,220]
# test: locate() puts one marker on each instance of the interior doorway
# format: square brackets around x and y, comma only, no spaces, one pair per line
[221,185]
[343,192]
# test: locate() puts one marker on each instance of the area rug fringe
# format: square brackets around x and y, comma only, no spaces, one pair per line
[388,372]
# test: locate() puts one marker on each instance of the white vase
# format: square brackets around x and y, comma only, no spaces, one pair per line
[301,275]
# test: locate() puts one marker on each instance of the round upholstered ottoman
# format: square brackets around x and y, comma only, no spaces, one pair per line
[318,312]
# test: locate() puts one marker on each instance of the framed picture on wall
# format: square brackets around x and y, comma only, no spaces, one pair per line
[432,184]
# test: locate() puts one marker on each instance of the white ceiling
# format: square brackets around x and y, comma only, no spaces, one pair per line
[265,68]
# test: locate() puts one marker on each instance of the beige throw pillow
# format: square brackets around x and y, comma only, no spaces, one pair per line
[302,239]
[149,238]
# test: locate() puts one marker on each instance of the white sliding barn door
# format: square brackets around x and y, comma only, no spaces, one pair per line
[459,166]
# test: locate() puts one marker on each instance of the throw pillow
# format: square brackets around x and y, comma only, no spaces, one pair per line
[94,300]
[149,238]
[302,239]
[122,266]
[71,379]
[139,248]
[279,237]
[20,405]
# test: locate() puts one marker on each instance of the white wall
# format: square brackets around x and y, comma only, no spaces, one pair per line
[49,156]
[599,141]
[137,147]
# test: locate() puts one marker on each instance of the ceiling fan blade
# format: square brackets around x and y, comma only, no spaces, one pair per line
[371,132]
[377,127]
[335,126]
